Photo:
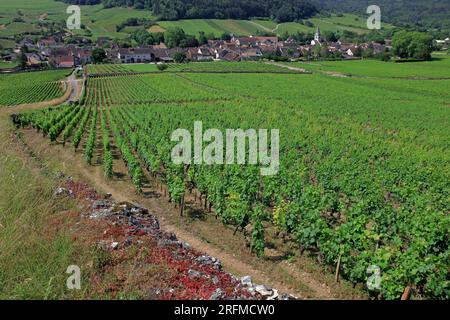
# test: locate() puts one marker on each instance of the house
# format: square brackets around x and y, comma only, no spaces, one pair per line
[267,41]
[28,43]
[289,51]
[165,55]
[254,41]
[113,55]
[352,51]
[265,49]
[47,43]
[378,47]
[199,54]
[136,55]
[60,52]
[227,55]
[9,58]
[62,61]
[82,56]
[33,59]
[251,54]
[162,45]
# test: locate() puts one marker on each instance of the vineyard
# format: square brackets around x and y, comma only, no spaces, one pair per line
[438,68]
[208,67]
[364,165]
[30,87]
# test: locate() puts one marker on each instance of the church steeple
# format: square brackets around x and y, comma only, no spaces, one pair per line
[317,36]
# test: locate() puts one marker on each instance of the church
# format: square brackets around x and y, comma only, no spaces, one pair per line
[317,38]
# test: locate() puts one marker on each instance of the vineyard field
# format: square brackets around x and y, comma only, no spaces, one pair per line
[30,87]
[438,68]
[364,165]
[220,67]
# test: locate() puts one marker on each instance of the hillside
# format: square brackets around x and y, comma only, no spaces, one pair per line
[102,22]
[281,10]
[429,13]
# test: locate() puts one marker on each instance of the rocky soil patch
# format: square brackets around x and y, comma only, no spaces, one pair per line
[185,272]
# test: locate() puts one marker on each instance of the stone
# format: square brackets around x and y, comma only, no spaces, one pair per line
[274,295]
[163,243]
[217,265]
[60,175]
[218,294]
[128,209]
[100,214]
[185,245]
[102,245]
[101,204]
[285,296]
[194,274]
[263,290]
[246,281]
[114,245]
[61,192]
[128,242]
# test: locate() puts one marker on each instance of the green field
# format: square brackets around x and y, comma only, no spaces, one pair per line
[7,65]
[30,87]
[216,27]
[7,44]
[438,68]
[102,22]
[364,164]
[251,27]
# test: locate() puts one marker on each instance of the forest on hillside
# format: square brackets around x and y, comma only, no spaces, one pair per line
[412,13]
[279,10]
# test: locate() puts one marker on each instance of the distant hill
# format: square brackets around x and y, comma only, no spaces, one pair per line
[280,10]
[419,13]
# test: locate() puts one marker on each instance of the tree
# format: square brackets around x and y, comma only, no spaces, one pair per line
[162,67]
[324,52]
[174,36]
[225,36]
[317,51]
[330,36]
[98,55]
[189,42]
[202,39]
[179,57]
[415,45]
[285,36]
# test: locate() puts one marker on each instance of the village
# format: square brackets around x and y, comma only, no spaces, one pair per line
[55,52]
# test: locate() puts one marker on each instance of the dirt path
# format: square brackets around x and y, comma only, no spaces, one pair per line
[286,67]
[76,88]
[262,27]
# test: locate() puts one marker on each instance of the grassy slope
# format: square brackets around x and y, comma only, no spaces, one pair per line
[35,252]
[438,68]
[102,22]
[7,65]
[239,27]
